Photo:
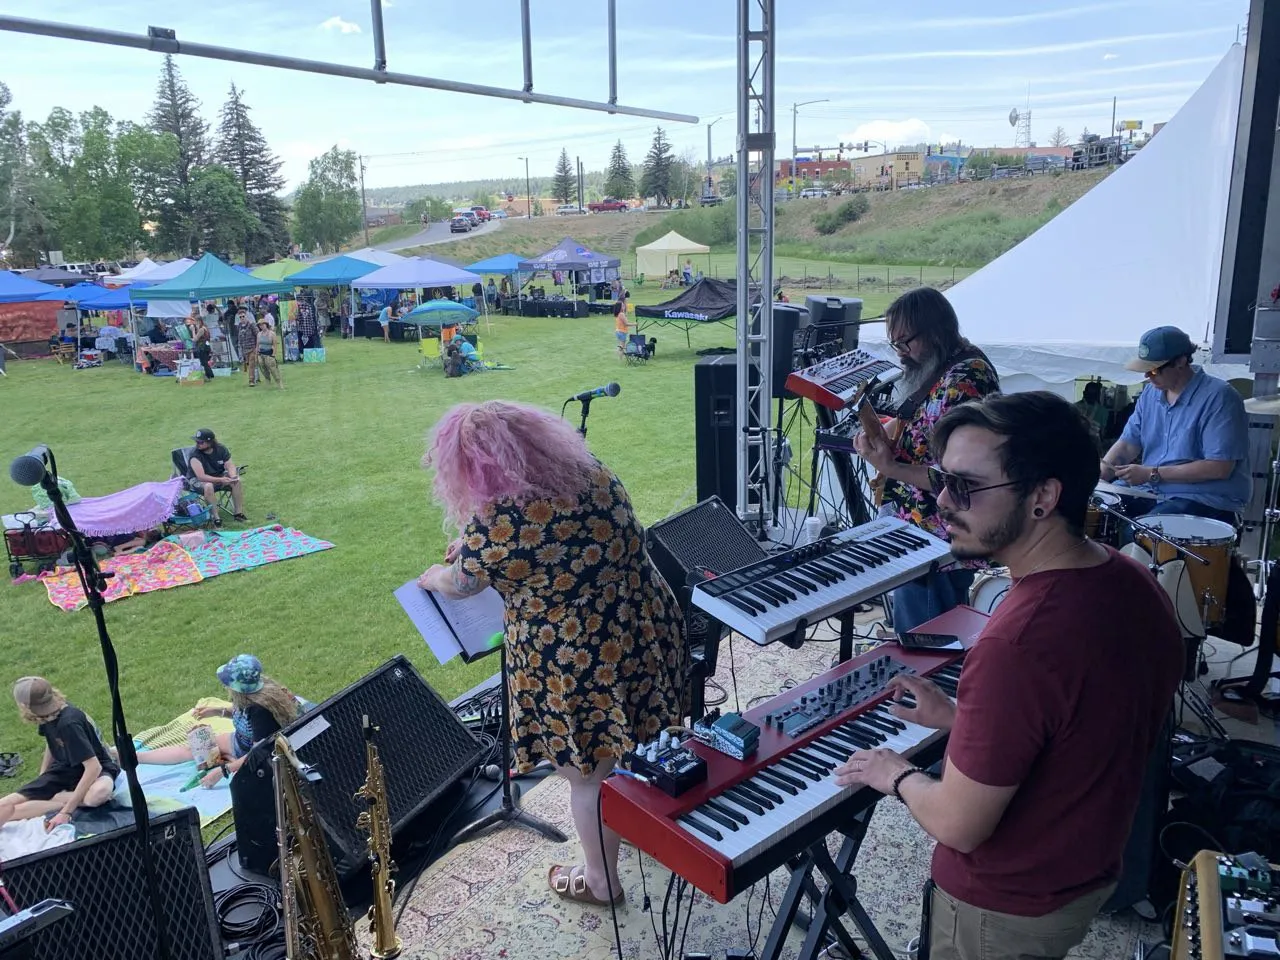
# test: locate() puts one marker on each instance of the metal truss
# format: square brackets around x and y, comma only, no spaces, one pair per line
[756,33]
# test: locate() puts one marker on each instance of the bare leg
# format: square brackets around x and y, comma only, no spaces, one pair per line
[178,753]
[584,794]
[8,805]
[211,497]
[237,495]
[32,809]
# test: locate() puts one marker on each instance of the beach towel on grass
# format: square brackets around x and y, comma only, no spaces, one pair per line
[227,551]
[162,786]
[174,732]
[163,566]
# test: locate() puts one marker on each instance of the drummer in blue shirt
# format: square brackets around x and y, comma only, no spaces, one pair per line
[1187,441]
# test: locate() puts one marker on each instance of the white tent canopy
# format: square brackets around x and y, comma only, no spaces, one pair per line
[165,271]
[663,255]
[1141,249]
[383,258]
[133,273]
[417,274]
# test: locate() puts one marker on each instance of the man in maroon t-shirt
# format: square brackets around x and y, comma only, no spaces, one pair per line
[1061,702]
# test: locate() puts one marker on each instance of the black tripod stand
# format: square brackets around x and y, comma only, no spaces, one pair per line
[39,467]
[510,811]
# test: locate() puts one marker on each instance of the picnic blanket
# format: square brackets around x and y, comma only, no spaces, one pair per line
[164,566]
[174,732]
[140,507]
[162,786]
[226,551]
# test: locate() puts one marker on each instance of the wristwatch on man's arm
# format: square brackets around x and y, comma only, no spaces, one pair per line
[1155,476]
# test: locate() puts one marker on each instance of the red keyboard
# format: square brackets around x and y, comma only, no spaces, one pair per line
[750,816]
[837,382]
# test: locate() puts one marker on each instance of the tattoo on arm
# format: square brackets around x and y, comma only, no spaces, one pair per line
[465,583]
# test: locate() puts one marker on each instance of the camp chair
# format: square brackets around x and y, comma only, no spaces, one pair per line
[66,352]
[637,349]
[429,347]
[181,459]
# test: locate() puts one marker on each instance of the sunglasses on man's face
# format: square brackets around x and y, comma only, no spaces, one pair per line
[959,489]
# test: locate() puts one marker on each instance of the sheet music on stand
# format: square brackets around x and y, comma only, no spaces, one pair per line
[470,627]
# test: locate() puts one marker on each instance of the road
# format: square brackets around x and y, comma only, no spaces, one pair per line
[436,233]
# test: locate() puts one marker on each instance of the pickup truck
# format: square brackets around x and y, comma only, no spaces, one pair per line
[607,205]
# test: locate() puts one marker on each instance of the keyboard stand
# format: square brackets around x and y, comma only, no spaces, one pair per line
[841,898]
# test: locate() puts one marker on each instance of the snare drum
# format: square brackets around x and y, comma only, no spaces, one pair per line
[989,590]
[1211,540]
[1098,524]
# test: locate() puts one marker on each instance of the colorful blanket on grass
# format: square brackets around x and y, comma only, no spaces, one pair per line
[164,566]
[186,558]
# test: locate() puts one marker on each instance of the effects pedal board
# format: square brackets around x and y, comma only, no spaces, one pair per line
[730,734]
[1228,907]
[668,764]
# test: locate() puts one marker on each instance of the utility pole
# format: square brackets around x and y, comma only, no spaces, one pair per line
[578,160]
[364,205]
[795,109]
[528,193]
[1114,132]
[710,182]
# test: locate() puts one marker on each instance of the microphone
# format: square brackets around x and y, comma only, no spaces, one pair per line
[30,468]
[608,390]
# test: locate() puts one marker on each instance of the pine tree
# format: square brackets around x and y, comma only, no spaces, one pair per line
[242,149]
[564,186]
[658,163]
[618,182]
[177,113]
[1059,137]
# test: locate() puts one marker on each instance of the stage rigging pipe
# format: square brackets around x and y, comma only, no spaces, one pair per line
[65,31]
[379,39]
[526,41]
[613,51]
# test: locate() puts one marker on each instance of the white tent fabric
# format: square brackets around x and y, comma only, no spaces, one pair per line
[417,274]
[1141,249]
[165,271]
[133,273]
[383,258]
[662,256]
[168,309]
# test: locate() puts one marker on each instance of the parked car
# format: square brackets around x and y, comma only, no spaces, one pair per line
[481,212]
[710,200]
[459,225]
[811,193]
[608,205]
[469,214]
[569,210]
[302,256]
[498,214]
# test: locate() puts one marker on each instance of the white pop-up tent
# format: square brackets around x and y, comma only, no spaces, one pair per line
[1141,249]
[659,258]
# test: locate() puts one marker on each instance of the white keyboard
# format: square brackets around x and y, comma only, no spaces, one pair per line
[781,595]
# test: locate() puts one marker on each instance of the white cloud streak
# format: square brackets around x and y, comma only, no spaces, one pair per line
[342,26]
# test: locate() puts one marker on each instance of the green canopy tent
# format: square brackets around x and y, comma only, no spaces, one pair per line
[278,270]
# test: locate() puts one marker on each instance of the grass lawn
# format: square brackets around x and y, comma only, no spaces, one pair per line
[335,455]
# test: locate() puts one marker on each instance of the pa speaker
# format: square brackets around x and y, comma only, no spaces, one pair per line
[715,405]
[835,323]
[253,809]
[784,343]
[423,746]
[103,879]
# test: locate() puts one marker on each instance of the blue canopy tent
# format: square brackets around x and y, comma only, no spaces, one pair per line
[74,294]
[118,299]
[504,264]
[15,288]
[338,272]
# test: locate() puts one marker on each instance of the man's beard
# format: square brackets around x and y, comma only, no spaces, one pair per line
[916,374]
[992,542]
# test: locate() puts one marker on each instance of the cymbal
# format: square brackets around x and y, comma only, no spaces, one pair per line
[1268,405]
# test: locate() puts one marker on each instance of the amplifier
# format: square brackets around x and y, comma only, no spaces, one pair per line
[423,746]
[834,321]
[103,880]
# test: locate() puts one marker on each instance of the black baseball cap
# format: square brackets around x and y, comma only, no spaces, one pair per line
[203,434]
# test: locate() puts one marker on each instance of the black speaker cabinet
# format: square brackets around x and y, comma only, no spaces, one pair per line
[715,405]
[835,322]
[103,879]
[253,809]
[784,342]
[423,746]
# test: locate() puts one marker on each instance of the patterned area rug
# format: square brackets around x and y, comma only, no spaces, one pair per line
[489,898]
[227,551]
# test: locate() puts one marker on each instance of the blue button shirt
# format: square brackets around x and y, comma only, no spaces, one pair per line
[1206,423]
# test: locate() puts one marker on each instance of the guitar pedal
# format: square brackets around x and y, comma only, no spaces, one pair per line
[670,765]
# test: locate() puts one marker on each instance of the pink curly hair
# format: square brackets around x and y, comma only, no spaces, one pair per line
[491,451]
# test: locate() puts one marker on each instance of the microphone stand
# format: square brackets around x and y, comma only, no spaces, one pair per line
[93,581]
[1198,705]
[586,411]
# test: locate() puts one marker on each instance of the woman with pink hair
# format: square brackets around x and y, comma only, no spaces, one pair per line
[594,644]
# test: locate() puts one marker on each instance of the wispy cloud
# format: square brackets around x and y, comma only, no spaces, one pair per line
[342,26]
[1111,56]
[998,21]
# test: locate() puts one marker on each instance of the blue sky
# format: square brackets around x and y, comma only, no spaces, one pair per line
[900,73]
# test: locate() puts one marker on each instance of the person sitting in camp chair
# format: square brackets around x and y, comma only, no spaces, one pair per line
[212,470]
[461,357]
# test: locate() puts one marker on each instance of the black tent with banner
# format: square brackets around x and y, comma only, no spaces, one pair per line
[707,301]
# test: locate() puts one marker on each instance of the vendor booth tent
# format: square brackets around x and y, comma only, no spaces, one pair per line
[57,276]
[504,264]
[76,294]
[569,254]
[706,301]
[337,272]
[1141,249]
[383,258]
[663,255]
[416,274]
[278,270]
[211,279]
[166,271]
[17,288]
[145,265]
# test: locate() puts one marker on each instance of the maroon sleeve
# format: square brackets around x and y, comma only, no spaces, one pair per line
[1000,727]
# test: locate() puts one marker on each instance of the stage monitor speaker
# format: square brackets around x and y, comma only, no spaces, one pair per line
[784,343]
[704,540]
[835,322]
[423,746]
[1142,851]
[715,407]
[253,810]
[103,879]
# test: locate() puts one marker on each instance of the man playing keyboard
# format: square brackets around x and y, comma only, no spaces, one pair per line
[1187,440]
[1060,703]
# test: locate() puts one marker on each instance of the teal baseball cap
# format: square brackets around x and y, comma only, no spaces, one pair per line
[1157,347]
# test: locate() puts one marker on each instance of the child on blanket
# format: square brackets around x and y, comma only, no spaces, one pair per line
[260,707]
[76,770]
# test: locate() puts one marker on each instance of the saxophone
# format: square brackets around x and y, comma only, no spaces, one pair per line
[316,923]
[377,821]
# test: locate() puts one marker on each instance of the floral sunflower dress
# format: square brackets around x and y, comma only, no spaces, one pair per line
[595,649]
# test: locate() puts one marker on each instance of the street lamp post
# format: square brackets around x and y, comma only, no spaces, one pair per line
[795,109]
[710,183]
[528,193]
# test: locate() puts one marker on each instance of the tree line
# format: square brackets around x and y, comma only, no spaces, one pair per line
[662,175]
